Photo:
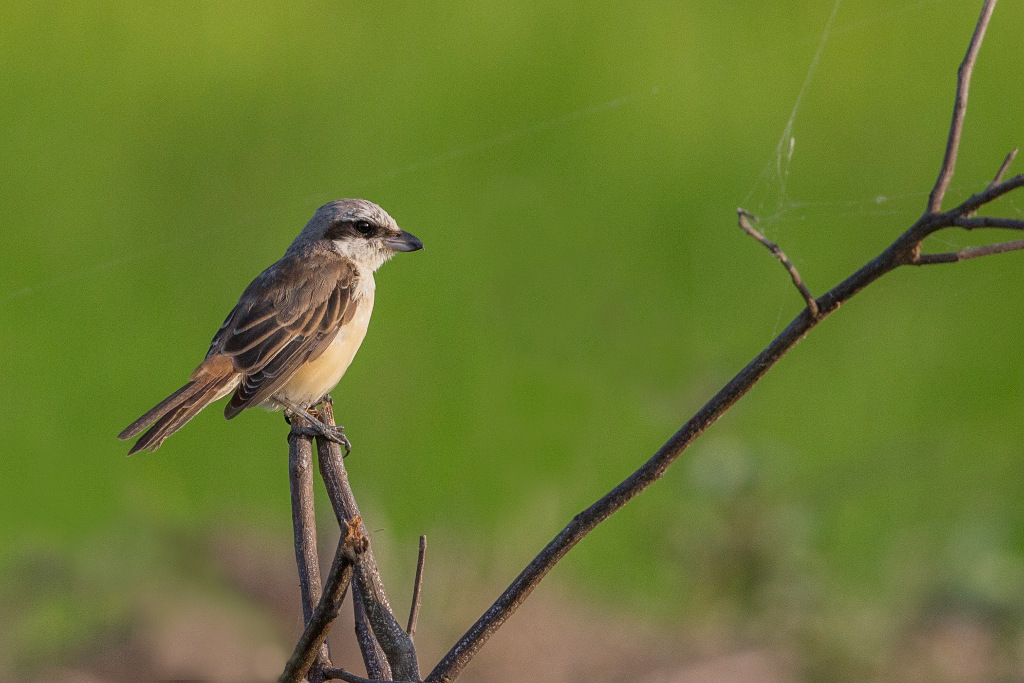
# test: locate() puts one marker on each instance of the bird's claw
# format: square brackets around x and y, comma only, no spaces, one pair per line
[316,428]
[335,433]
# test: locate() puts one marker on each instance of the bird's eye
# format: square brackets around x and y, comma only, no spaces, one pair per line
[364,227]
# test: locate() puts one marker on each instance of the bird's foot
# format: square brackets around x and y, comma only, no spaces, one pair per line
[335,433]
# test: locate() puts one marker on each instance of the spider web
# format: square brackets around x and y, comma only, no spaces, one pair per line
[769,196]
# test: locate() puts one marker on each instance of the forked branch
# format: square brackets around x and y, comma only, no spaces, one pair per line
[342,675]
[963,83]
[969,253]
[905,250]
[350,547]
[744,218]
[396,643]
[374,660]
[1004,167]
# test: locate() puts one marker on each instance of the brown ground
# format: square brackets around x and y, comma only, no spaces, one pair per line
[241,624]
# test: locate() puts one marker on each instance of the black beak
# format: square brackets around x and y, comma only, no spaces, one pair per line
[404,241]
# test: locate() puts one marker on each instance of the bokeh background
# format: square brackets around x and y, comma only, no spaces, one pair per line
[574,172]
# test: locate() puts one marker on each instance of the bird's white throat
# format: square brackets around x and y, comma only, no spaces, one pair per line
[367,254]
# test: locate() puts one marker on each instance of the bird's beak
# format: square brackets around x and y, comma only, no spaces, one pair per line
[404,241]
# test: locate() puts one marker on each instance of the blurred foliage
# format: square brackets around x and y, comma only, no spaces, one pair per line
[574,173]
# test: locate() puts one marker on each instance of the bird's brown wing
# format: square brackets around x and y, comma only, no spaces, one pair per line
[288,315]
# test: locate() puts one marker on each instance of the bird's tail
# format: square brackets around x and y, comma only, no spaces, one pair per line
[214,378]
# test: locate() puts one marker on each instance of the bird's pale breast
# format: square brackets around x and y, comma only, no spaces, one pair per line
[314,379]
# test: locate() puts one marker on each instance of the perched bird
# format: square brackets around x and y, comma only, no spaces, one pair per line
[295,328]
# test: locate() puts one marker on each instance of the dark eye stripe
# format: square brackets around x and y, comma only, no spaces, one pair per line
[337,230]
[342,229]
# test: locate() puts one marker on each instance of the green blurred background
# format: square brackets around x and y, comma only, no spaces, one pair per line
[574,173]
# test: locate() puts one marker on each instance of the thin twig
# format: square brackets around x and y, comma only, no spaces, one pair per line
[988,222]
[397,646]
[976,201]
[414,609]
[743,216]
[956,126]
[969,253]
[300,471]
[999,174]
[1002,169]
[350,547]
[374,660]
[342,675]
[902,251]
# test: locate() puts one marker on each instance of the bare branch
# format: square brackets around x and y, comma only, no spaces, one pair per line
[300,470]
[343,675]
[903,251]
[988,222]
[397,646]
[1002,169]
[959,109]
[414,610]
[969,253]
[989,194]
[350,547]
[999,174]
[743,216]
[374,660]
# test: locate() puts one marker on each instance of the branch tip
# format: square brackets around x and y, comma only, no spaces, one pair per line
[998,179]
[414,609]
[744,217]
[1002,169]
[956,125]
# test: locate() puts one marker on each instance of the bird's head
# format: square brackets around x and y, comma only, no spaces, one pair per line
[359,230]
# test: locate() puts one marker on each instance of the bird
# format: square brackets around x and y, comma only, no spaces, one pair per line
[295,329]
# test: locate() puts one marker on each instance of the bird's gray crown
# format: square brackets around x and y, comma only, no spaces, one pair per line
[354,210]
[356,229]
[345,210]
